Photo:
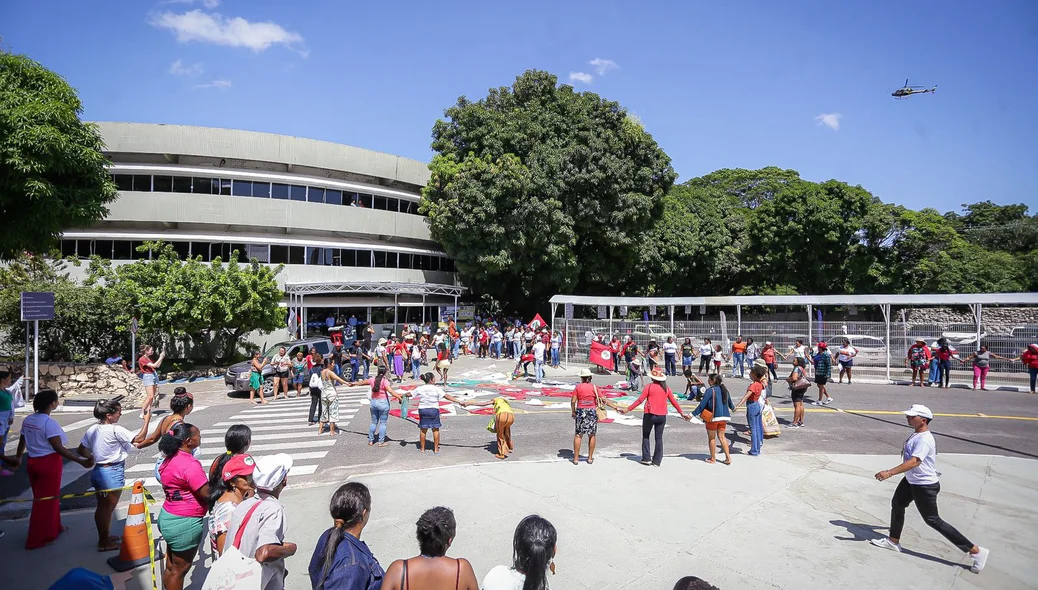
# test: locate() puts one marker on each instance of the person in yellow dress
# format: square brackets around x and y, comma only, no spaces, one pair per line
[504,417]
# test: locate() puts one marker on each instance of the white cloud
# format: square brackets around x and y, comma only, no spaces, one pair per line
[207,3]
[580,77]
[220,83]
[603,65]
[830,120]
[178,68]
[210,3]
[196,25]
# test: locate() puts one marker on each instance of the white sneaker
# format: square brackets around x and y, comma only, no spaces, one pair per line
[886,543]
[979,560]
[828,401]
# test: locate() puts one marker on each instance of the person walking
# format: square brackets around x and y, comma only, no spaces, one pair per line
[845,355]
[533,556]
[341,561]
[258,526]
[396,349]
[944,355]
[1029,358]
[918,359]
[329,400]
[149,374]
[687,354]
[380,392]
[504,418]
[106,444]
[181,519]
[921,485]
[739,357]
[752,399]
[584,407]
[538,359]
[300,373]
[752,352]
[556,346]
[432,568]
[798,386]
[768,354]
[429,398]
[443,361]
[670,353]
[823,371]
[656,395]
[981,363]
[43,440]
[417,352]
[716,411]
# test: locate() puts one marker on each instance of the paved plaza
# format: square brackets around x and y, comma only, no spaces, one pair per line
[797,517]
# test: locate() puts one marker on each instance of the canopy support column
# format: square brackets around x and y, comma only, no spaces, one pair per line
[423,312]
[302,309]
[810,325]
[610,322]
[886,320]
[671,319]
[396,297]
[738,320]
[978,314]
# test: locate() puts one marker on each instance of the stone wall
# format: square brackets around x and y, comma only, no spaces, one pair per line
[94,381]
[996,320]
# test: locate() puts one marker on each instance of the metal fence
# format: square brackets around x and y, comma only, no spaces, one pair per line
[869,338]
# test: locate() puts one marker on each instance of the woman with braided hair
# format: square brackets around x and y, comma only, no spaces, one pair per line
[341,561]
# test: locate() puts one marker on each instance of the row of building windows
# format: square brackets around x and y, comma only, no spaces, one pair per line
[267,190]
[272,254]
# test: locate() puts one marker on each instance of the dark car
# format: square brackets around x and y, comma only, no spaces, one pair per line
[237,376]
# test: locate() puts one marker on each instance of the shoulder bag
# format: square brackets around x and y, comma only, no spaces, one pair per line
[600,405]
[233,570]
[708,415]
[802,382]
[315,380]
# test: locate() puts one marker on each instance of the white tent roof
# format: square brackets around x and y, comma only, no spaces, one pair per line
[925,300]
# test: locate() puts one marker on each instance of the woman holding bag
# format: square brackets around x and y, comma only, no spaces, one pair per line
[585,406]
[716,410]
[798,386]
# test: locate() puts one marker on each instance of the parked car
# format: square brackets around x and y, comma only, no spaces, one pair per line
[871,349]
[237,376]
[642,333]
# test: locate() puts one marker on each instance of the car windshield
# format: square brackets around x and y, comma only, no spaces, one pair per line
[273,350]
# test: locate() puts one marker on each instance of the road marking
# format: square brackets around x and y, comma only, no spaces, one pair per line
[276,436]
[149,467]
[814,410]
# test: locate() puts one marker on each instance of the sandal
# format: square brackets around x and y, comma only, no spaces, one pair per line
[727,461]
[590,461]
[711,461]
[111,545]
[575,461]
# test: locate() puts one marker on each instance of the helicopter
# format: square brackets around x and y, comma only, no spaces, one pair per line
[906,91]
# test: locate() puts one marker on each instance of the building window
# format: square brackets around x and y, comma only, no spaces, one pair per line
[103,248]
[380,203]
[181,184]
[261,189]
[258,251]
[225,186]
[204,186]
[333,197]
[241,188]
[296,254]
[392,204]
[380,259]
[162,184]
[123,250]
[315,195]
[314,255]
[142,183]
[279,191]
[405,260]
[297,193]
[278,254]
[200,249]
[136,254]
[123,182]
[364,258]
[365,201]
[68,248]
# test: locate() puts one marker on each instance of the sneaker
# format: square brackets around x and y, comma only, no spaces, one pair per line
[979,560]
[886,543]
[794,425]
[827,401]
[645,462]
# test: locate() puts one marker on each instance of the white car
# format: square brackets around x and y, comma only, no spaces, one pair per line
[870,348]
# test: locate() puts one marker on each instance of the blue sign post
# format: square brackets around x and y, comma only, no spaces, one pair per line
[36,307]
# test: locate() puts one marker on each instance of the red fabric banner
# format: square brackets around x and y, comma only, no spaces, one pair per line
[601,355]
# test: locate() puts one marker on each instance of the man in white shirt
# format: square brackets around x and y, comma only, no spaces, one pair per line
[921,485]
[538,359]
[262,520]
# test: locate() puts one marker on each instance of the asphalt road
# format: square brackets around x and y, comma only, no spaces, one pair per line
[864,419]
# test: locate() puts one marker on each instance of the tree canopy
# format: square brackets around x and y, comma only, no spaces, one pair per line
[539,189]
[52,173]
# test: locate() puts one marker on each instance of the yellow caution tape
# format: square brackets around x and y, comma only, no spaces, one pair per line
[67,496]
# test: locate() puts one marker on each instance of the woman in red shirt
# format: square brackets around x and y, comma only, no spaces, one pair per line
[1030,359]
[753,408]
[584,406]
[657,395]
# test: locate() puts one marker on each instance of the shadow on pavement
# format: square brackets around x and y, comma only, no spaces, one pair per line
[865,532]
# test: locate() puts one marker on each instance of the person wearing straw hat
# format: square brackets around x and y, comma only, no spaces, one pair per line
[918,359]
[655,395]
[634,374]
[584,409]
[921,485]
[261,520]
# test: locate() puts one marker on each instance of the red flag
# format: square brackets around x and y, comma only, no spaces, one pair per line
[537,322]
[601,355]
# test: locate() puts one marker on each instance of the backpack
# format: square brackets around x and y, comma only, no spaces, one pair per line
[315,380]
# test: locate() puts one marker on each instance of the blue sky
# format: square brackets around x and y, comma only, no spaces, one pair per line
[719,84]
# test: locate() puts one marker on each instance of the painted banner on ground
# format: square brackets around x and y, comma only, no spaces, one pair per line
[601,355]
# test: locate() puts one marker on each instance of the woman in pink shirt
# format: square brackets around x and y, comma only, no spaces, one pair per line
[655,395]
[380,392]
[186,487]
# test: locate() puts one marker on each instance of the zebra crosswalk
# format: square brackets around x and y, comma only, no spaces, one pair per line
[277,427]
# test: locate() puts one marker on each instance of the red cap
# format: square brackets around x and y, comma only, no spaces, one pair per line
[821,345]
[238,465]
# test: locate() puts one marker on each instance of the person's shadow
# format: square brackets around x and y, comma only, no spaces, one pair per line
[866,532]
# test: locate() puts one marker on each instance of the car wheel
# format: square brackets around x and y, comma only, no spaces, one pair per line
[268,387]
[347,372]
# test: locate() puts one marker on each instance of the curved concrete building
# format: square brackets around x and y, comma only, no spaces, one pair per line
[343,220]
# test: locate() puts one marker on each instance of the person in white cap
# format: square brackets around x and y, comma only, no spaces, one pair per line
[921,485]
[258,525]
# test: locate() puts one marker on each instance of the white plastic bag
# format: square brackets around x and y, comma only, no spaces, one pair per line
[315,381]
[234,571]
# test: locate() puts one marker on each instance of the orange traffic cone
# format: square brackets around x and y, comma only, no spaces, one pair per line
[134,550]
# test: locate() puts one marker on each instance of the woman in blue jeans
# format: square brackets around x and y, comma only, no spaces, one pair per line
[753,409]
[380,392]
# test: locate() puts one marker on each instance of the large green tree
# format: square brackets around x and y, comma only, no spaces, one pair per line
[52,173]
[537,189]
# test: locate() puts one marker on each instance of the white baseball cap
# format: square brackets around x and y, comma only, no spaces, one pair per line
[919,410]
[271,471]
